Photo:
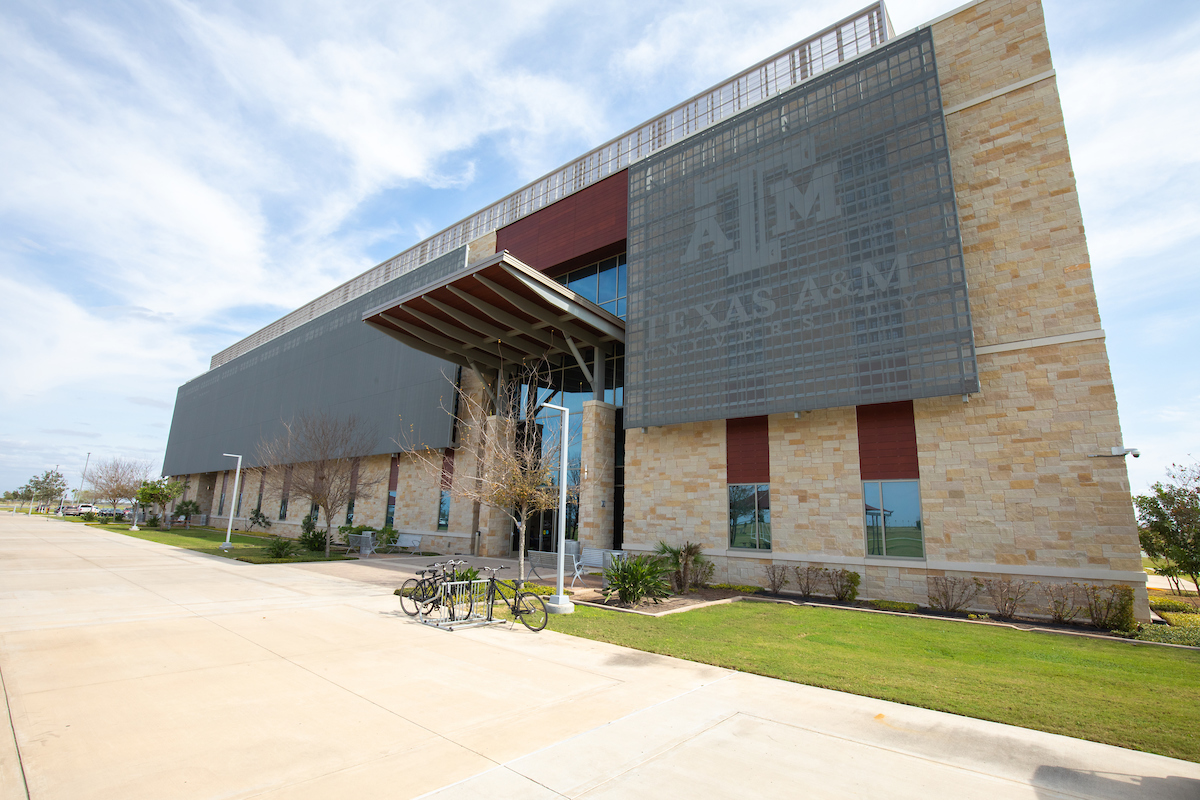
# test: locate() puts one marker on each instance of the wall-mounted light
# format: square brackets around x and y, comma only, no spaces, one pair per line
[1119,452]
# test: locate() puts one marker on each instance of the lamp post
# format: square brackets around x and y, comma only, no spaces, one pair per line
[558,603]
[82,478]
[236,476]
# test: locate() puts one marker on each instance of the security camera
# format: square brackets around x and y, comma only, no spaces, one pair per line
[1134,452]
[1121,452]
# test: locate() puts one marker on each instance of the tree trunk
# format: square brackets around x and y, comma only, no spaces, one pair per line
[521,542]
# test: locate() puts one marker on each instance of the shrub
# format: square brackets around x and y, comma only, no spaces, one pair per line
[1178,620]
[468,574]
[153,522]
[280,547]
[344,532]
[684,565]
[738,587]
[387,536]
[844,584]
[777,577]
[1110,607]
[1007,595]
[1170,604]
[1169,634]
[1062,602]
[257,518]
[89,516]
[635,579]
[947,594]
[894,605]
[703,571]
[808,579]
[311,538]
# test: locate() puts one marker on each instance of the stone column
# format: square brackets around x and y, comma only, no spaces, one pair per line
[598,478]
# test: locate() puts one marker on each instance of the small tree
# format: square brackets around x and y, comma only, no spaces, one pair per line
[323,452]
[160,493]
[47,487]
[117,479]
[1170,519]
[515,460]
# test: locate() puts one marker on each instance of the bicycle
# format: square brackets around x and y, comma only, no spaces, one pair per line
[525,606]
[426,594]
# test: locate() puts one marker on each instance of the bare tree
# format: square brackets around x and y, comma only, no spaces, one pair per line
[117,479]
[323,452]
[516,457]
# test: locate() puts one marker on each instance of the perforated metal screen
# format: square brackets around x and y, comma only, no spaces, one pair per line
[333,363]
[805,254]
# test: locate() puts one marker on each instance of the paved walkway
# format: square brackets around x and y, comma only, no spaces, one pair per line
[135,670]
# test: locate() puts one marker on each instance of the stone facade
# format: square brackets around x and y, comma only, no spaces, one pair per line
[1007,487]
[596,492]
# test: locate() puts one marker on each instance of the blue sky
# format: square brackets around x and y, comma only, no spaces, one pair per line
[175,175]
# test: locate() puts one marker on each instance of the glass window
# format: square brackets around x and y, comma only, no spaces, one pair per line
[750,515]
[602,283]
[390,519]
[444,511]
[892,519]
[350,512]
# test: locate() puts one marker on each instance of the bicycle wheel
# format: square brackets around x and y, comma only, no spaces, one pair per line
[422,597]
[461,601]
[531,610]
[408,601]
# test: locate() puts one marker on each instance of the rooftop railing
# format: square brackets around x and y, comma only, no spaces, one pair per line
[795,65]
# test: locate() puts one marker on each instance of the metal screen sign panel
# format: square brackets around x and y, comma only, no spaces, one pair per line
[805,254]
[332,364]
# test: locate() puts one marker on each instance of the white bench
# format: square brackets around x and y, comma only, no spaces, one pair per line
[407,541]
[545,559]
[363,542]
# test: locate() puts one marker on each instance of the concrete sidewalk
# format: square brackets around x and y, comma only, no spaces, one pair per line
[135,670]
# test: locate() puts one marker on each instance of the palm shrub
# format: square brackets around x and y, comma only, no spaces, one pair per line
[636,579]
[187,509]
[686,565]
[280,547]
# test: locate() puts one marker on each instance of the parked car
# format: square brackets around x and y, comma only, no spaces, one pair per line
[85,508]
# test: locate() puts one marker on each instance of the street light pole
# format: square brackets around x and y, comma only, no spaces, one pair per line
[227,546]
[559,603]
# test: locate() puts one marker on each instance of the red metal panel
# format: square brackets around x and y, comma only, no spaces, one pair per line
[747,453]
[887,442]
[584,227]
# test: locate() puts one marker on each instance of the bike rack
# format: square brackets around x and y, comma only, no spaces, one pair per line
[459,604]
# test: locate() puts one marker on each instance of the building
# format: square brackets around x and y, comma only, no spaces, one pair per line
[837,310]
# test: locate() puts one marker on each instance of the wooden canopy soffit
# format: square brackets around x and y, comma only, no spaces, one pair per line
[496,313]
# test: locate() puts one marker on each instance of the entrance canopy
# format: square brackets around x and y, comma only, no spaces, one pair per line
[498,313]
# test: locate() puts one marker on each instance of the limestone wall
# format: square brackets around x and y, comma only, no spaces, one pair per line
[1007,488]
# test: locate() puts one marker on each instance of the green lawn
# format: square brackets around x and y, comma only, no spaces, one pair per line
[1136,696]
[245,548]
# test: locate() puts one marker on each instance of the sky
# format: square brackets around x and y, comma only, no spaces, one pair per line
[176,175]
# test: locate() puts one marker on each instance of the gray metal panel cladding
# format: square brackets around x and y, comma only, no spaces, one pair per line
[805,254]
[334,363]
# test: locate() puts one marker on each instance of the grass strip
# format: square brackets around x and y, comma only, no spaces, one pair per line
[1114,692]
[245,548]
